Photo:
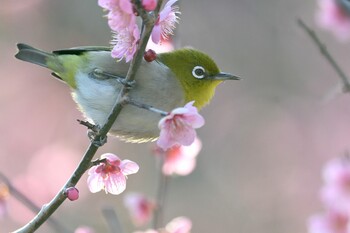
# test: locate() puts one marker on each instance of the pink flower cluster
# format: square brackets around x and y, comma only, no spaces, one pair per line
[335,196]
[140,208]
[180,160]
[334,15]
[178,127]
[122,21]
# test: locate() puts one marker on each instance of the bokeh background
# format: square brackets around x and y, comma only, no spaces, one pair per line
[265,140]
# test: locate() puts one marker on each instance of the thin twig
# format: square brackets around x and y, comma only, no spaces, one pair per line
[84,164]
[145,106]
[21,197]
[89,125]
[112,219]
[161,195]
[327,55]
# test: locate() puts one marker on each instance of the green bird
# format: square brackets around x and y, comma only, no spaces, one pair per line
[95,78]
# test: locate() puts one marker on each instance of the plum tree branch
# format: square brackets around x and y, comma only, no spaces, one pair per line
[326,54]
[48,209]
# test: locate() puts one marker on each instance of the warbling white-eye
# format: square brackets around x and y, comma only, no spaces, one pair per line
[95,79]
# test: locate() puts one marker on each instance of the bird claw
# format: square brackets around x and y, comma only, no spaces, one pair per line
[129,84]
[100,74]
[97,141]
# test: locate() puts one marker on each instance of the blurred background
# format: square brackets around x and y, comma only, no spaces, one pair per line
[265,140]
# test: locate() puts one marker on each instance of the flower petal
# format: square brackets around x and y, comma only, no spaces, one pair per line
[115,183]
[110,157]
[156,33]
[95,182]
[129,167]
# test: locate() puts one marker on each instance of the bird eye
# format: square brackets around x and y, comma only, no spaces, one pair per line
[198,72]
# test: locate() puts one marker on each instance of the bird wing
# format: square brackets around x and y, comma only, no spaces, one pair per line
[81,49]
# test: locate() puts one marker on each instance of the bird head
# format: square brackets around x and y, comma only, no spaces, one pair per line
[197,73]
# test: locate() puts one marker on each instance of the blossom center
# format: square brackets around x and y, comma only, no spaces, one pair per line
[109,167]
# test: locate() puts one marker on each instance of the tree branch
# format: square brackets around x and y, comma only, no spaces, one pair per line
[163,182]
[326,54]
[50,208]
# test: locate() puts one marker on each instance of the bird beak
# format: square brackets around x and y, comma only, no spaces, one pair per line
[225,76]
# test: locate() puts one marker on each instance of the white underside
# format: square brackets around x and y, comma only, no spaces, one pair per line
[155,85]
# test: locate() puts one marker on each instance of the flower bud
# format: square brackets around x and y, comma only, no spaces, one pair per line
[149,5]
[72,193]
[150,55]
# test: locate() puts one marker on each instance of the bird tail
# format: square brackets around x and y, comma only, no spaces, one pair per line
[29,54]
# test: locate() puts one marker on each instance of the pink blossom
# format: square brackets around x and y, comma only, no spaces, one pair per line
[333,15]
[165,24]
[120,13]
[84,229]
[330,222]
[179,225]
[108,4]
[111,175]
[140,208]
[177,128]
[181,160]
[125,43]
[336,191]
[149,5]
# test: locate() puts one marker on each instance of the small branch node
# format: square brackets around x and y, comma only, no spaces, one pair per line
[90,126]
[97,162]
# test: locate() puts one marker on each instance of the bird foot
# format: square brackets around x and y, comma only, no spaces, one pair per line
[93,133]
[100,74]
[95,139]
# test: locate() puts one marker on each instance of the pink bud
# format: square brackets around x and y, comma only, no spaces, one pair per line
[149,5]
[72,193]
[150,55]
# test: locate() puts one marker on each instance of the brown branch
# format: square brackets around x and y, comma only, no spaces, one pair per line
[48,209]
[326,54]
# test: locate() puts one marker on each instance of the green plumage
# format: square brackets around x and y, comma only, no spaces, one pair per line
[171,81]
[181,62]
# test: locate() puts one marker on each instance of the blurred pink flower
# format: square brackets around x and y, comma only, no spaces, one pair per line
[147,231]
[177,128]
[162,47]
[336,191]
[180,160]
[43,178]
[334,15]
[179,225]
[4,194]
[120,13]
[330,222]
[84,229]
[125,43]
[149,5]
[111,175]
[140,208]
[168,17]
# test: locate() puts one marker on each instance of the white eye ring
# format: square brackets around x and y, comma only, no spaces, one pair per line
[198,72]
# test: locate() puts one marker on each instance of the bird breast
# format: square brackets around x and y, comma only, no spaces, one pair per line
[155,85]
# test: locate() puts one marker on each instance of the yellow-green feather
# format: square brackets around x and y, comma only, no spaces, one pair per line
[66,66]
[181,62]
